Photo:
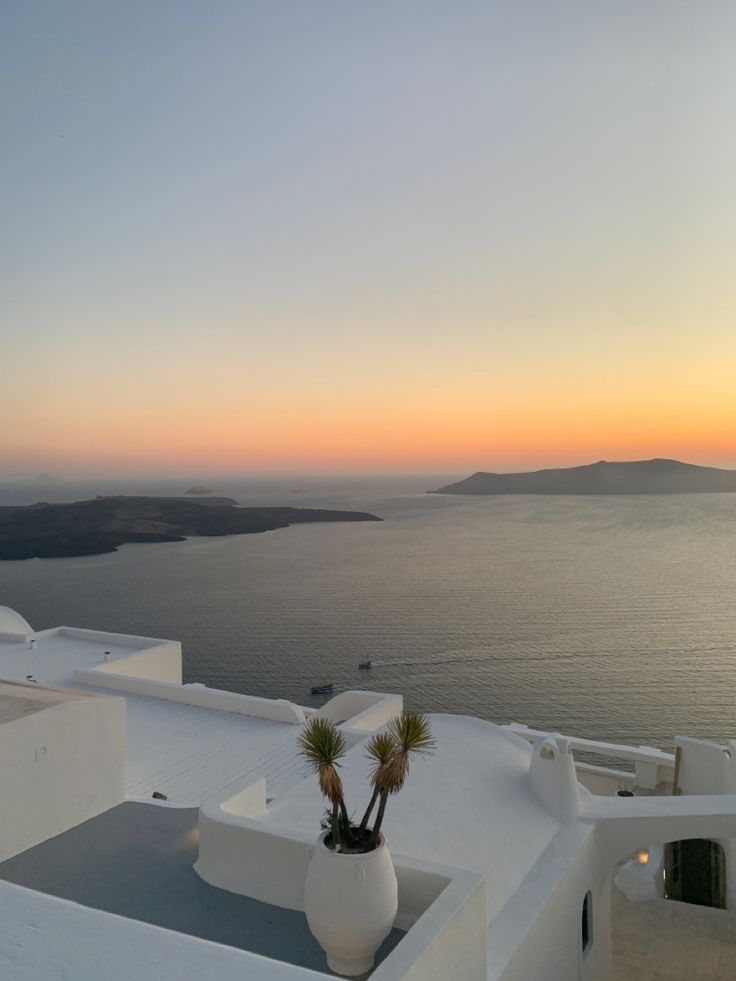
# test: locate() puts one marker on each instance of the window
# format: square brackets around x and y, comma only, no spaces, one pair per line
[586,938]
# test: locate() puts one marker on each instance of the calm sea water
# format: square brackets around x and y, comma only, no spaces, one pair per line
[612,617]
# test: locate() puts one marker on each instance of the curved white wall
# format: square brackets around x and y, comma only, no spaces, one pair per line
[553,778]
[13,625]
[363,711]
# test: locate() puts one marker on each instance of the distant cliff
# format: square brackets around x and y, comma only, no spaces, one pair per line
[101,525]
[636,477]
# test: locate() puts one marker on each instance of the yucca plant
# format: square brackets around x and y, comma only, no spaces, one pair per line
[323,745]
[411,734]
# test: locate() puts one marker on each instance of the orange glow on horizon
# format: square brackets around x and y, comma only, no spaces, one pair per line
[457,437]
[353,414]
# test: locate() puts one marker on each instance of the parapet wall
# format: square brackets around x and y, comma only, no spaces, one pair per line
[159,663]
[59,766]
[156,673]
[443,909]
[361,711]
[277,710]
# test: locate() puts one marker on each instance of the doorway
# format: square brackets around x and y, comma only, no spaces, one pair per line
[695,872]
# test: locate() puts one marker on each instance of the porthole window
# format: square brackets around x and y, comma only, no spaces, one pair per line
[586,936]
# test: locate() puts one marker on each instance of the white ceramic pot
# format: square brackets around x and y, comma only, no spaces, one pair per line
[351,903]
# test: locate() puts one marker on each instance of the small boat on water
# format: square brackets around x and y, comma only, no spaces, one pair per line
[322,689]
[365,665]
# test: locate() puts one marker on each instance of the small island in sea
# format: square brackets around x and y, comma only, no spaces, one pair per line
[199,491]
[634,477]
[101,525]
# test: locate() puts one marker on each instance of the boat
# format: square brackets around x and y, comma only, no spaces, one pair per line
[322,689]
[365,665]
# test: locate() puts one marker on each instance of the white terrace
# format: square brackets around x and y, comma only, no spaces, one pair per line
[184,741]
[515,860]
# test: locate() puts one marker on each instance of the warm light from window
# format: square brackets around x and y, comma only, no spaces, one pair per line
[188,840]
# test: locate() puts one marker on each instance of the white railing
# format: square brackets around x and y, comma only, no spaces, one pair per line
[651,765]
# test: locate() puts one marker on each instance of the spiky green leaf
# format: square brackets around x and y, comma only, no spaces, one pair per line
[321,743]
[380,750]
[412,732]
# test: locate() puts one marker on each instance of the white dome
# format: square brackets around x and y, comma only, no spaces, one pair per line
[13,623]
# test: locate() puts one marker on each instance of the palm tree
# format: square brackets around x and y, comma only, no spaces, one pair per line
[323,746]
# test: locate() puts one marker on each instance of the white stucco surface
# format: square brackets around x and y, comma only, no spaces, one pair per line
[58,652]
[366,710]
[191,753]
[198,695]
[12,624]
[62,760]
[470,805]
[488,801]
[48,939]
[186,752]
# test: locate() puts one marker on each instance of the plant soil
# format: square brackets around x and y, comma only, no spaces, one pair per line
[361,842]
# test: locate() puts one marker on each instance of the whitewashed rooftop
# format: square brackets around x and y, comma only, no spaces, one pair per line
[499,849]
[58,652]
[190,753]
[186,752]
[45,938]
[471,800]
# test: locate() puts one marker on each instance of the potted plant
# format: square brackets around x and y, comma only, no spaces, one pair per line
[351,895]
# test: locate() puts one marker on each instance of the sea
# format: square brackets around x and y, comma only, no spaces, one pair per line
[607,617]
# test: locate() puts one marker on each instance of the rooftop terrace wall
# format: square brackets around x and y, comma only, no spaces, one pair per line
[88,945]
[59,767]
[277,710]
[159,663]
[443,909]
[361,711]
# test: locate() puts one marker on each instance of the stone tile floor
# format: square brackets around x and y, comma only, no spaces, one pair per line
[662,940]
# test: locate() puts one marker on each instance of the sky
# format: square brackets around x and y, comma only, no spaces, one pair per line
[345,235]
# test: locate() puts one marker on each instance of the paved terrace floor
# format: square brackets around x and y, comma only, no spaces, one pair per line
[136,860]
[662,940]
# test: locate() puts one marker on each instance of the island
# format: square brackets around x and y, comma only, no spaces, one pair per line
[198,491]
[633,477]
[103,524]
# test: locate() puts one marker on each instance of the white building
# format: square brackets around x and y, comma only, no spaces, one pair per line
[516,861]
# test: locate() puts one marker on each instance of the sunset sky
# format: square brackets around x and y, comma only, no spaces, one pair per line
[336,234]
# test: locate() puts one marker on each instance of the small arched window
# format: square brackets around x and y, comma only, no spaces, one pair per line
[586,935]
